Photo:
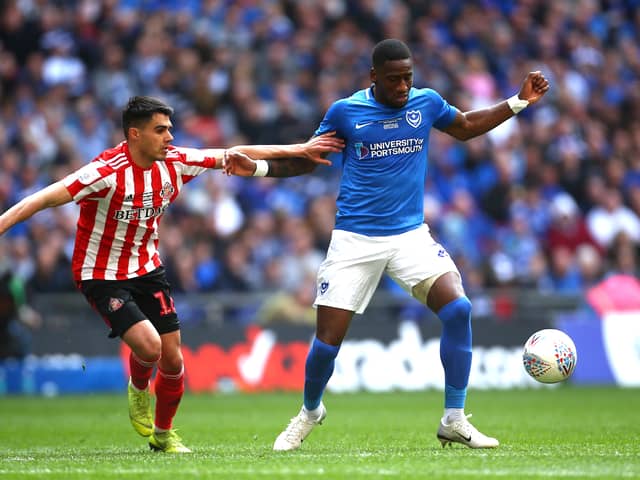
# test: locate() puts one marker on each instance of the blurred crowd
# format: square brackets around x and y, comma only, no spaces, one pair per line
[549,201]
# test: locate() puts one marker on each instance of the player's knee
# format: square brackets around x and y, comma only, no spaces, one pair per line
[330,337]
[456,312]
[150,350]
[172,363]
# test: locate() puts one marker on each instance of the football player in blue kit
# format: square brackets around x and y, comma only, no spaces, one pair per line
[380,227]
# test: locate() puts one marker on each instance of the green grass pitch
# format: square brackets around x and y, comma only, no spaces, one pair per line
[566,432]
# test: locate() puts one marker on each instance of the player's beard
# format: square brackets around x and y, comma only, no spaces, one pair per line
[400,100]
[396,100]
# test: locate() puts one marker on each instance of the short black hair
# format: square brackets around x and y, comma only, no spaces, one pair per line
[139,111]
[389,49]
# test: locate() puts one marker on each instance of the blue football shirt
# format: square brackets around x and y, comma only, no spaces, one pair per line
[384,161]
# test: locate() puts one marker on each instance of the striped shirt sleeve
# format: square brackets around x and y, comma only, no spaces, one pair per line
[88,181]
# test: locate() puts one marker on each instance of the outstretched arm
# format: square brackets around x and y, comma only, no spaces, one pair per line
[313,150]
[237,163]
[476,122]
[52,196]
[274,161]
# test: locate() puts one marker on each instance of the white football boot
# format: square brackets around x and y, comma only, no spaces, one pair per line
[298,429]
[461,431]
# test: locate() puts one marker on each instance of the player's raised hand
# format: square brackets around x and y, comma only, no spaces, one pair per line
[237,163]
[534,87]
[316,147]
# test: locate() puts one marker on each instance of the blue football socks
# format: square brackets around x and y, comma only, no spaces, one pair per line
[318,370]
[455,350]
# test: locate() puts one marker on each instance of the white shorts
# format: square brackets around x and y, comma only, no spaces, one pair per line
[350,273]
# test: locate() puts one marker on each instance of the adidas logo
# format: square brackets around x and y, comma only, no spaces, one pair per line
[128,198]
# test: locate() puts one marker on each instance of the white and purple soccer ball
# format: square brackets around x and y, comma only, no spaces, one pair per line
[549,356]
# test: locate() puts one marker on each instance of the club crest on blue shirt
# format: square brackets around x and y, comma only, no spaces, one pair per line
[361,150]
[414,118]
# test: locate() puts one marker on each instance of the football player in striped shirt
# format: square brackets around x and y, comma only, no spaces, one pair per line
[122,195]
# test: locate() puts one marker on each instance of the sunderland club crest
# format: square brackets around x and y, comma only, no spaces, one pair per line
[414,118]
[115,304]
[167,191]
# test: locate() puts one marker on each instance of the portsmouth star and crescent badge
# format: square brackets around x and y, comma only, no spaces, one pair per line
[414,118]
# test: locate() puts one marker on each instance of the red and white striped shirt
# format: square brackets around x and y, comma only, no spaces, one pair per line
[121,205]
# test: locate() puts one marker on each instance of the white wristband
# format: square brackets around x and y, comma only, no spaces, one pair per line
[262,168]
[516,104]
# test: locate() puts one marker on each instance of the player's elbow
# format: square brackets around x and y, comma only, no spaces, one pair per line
[462,128]
[466,135]
[463,132]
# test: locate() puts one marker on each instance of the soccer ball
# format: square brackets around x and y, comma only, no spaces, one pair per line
[549,356]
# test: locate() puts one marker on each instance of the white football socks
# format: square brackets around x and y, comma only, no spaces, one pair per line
[452,415]
[312,414]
